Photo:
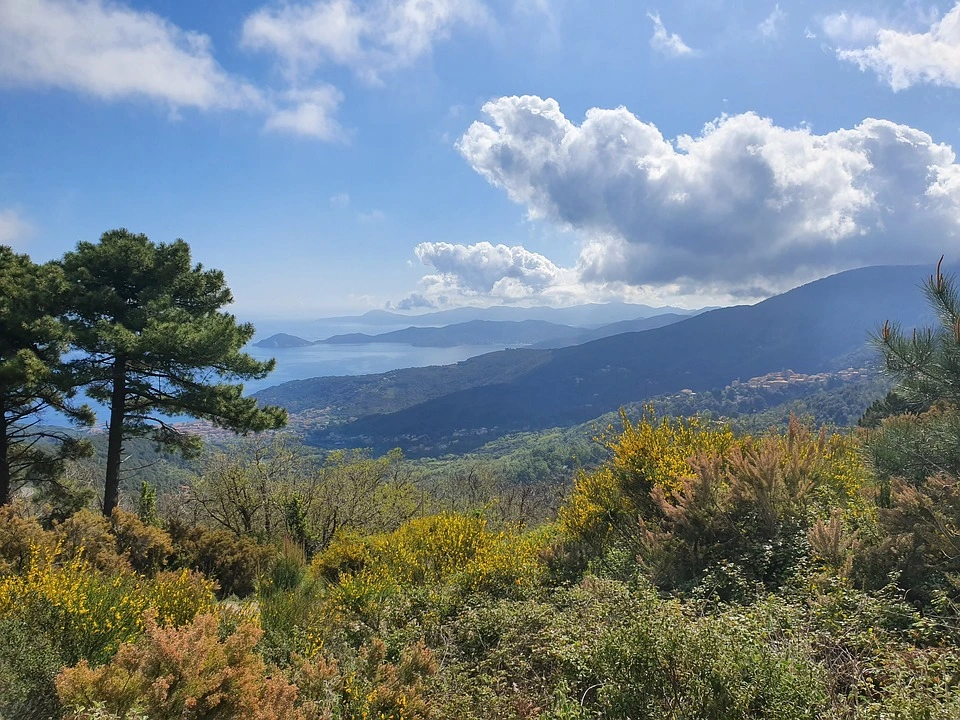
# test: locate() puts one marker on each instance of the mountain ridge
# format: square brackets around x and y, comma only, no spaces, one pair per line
[820,326]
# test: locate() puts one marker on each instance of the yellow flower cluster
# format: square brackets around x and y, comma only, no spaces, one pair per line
[649,453]
[652,453]
[836,463]
[93,613]
[428,551]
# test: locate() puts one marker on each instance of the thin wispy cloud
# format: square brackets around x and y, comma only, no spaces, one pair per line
[769,28]
[113,51]
[667,43]
[371,39]
[309,113]
[850,28]
[14,229]
[372,216]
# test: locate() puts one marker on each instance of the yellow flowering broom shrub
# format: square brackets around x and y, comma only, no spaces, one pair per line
[89,614]
[433,550]
[648,453]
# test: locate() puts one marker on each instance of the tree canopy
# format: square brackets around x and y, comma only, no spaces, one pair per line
[157,343]
[32,378]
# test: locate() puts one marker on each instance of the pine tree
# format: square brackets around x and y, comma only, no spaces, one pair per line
[33,380]
[926,362]
[157,344]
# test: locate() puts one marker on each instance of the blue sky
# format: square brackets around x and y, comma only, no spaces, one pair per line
[341,155]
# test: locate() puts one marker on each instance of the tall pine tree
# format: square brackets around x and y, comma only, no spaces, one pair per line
[33,380]
[157,343]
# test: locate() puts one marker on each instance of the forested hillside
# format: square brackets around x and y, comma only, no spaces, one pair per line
[821,326]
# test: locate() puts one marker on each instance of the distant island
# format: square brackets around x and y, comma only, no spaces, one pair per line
[282,341]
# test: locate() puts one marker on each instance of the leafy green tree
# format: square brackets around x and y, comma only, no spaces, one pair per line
[33,381]
[157,344]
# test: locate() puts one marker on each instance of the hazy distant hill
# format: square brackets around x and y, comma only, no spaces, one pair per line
[474,332]
[591,315]
[283,340]
[821,326]
[359,395]
[590,334]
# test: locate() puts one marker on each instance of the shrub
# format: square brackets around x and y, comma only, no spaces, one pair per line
[619,651]
[145,547]
[648,454]
[18,535]
[29,662]
[90,533]
[434,550]
[175,673]
[87,614]
[369,685]
[917,548]
[288,568]
[294,621]
[234,562]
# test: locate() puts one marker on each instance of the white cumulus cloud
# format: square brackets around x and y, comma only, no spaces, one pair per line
[111,52]
[667,43]
[371,39]
[902,58]
[485,273]
[745,207]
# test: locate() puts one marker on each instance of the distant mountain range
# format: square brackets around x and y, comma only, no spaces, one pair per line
[472,332]
[587,335]
[819,327]
[536,333]
[590,315]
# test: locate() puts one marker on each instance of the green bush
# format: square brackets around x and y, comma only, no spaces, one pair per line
[146,548]
[234,562]
[29,663]
[625,653]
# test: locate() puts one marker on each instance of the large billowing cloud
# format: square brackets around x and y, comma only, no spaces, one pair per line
[379,37]
[745,207]
[902,58]
[112,52]
[485,274]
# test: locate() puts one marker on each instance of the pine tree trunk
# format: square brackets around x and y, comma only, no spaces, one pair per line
[111,490]
[5,474]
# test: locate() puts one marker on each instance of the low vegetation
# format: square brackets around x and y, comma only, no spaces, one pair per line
[694,570]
